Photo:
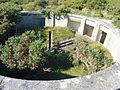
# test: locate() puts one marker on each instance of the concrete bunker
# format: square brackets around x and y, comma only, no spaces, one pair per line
[106,80]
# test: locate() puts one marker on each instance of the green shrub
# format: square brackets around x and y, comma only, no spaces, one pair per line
[93,56]
[102,58]
[25,51]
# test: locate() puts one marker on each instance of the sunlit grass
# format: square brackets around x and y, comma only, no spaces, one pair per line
[76,71]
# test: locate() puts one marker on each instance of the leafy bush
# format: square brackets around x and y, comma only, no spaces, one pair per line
[25,51]
[102,58]
[93,56]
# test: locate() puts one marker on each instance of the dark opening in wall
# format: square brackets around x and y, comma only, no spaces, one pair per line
[103,37]
[74,24]
[31,21]
[88,30]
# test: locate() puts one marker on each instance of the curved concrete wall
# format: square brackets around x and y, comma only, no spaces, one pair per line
[112,39]
[108,79]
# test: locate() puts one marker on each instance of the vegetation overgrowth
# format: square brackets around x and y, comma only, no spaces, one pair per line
[28,52]
[109,9]
[90,56]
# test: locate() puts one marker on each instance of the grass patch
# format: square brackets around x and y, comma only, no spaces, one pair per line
[60,33]
[76,71]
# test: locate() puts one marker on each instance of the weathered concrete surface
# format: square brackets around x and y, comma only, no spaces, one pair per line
[108,79]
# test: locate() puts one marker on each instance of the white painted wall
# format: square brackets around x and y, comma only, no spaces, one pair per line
[63,21]
[49,22]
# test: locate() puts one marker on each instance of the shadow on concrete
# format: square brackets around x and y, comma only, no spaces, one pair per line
[118,89]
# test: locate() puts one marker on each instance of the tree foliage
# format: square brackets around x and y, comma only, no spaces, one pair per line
[55,13]
[96,4]
[8,16]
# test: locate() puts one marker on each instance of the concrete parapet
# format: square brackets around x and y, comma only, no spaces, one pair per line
[108,79]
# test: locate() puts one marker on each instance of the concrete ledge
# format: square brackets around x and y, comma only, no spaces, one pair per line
[108,79]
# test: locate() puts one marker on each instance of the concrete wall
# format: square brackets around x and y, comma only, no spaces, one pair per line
[63,21]
[32,20]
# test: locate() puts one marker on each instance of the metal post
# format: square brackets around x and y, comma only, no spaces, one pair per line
[54,20]
[50,40]
[49,45]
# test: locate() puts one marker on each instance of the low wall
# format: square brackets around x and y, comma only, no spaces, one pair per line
[108,79]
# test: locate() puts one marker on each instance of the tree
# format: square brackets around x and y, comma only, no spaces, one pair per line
[56,13]
[75,4]
[9,16]
[96,4]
